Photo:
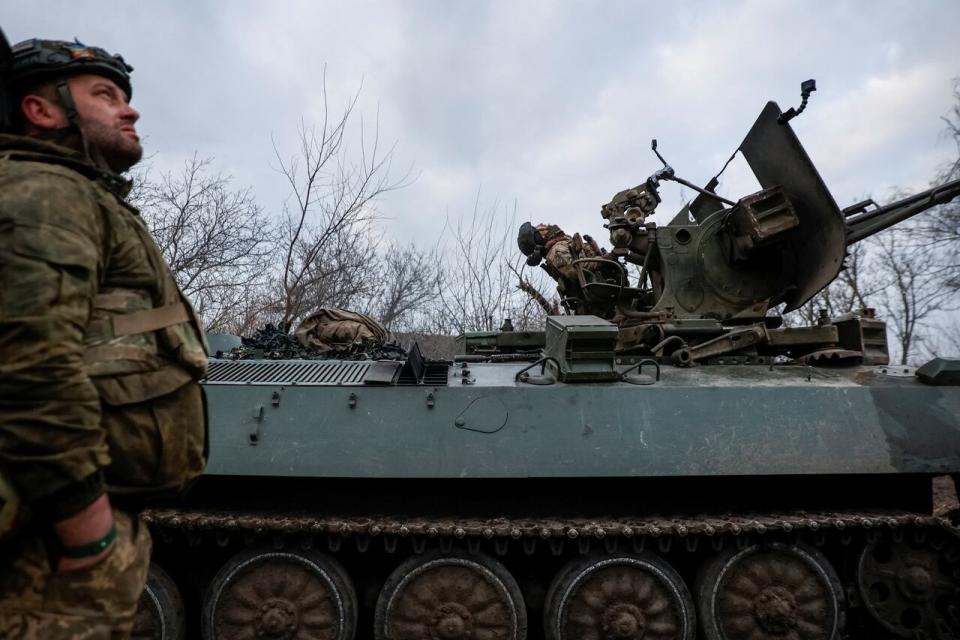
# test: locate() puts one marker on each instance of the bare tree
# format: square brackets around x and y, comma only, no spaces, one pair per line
[326,230]
[952,120]
[938,233]
[407,280]
[216,239]
[911,273]
[255,308]
[899,275]
[941,227]
[855,288]
[915,293]
[548,305]
[475,293]
[339,274]
[948,340]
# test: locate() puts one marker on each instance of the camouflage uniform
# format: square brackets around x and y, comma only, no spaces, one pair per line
[94,603]
[99,357]
[562,250]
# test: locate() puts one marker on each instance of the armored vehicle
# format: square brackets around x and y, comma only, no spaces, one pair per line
[666,461]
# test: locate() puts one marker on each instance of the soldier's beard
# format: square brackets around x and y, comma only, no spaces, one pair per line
[118,149]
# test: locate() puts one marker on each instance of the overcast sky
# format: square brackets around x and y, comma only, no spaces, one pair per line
[551,105]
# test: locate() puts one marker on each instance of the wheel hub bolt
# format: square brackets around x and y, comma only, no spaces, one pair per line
[624,622]
[775,609]
[915,583]
[278,619]
[452,622]
[451,627]
[624,626]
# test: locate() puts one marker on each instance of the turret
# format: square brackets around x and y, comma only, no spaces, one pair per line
[710,279]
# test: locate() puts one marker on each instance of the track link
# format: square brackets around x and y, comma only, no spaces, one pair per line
[198,521]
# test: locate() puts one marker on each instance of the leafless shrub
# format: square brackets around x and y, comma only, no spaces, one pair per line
[407,279]
[902,278]
[952,121]
[475,290]
[216,239]
[478,290]
[948,340]
[940,229]
[915,293]
[855,288]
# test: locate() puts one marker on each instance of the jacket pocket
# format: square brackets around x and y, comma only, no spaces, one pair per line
[156,447]
[45,270]
[55,245]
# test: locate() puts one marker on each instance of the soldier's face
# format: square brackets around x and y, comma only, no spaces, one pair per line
[107,120]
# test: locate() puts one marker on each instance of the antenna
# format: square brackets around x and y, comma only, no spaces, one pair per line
[667,173]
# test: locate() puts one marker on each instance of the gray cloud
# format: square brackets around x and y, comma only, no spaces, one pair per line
[549,104]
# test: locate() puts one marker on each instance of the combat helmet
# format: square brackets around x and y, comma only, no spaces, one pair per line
[33,61]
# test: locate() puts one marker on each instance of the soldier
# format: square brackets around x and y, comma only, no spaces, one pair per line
[100,353]
[548,242]
[562,250]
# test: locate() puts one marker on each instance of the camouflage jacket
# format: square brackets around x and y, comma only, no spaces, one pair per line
[94,333]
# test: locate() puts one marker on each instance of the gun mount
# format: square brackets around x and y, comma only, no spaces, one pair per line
[710,279]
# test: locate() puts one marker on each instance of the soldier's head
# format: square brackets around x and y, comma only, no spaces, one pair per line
[58,88]
[534,241]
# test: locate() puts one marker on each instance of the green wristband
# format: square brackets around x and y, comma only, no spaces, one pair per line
[90,549]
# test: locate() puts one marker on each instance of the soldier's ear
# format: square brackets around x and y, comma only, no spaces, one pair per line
[41,113]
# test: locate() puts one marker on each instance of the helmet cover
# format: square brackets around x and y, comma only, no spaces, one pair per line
[35,61]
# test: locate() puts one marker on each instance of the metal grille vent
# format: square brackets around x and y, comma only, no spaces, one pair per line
[324,372]
[434,374]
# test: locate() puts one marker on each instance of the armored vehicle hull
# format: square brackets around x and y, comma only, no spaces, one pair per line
[475,502]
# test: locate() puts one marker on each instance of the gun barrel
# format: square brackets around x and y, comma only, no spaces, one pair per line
[871,222]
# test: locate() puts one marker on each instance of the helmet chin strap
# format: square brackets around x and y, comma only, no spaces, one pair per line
[66,99]
[73,118]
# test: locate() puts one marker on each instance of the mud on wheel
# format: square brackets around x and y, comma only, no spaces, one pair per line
[623,596]
[770,591]
[450,596]
[766,577]
[160,614]
[281,595]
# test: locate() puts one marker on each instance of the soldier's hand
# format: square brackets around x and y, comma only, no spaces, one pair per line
[87,527]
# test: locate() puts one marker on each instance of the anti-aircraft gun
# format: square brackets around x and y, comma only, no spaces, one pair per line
[711,278]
